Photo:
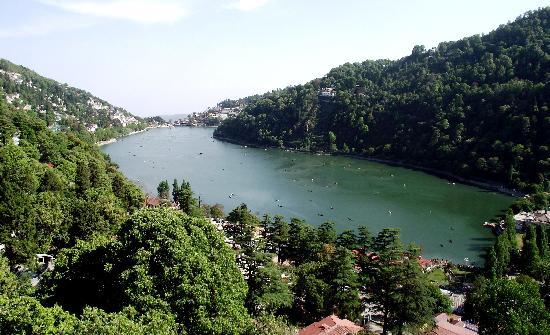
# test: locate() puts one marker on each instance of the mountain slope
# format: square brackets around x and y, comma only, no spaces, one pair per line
[477,107]
[62,106]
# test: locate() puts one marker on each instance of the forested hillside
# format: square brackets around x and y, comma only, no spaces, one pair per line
[119,268]
[62,106]
[477,107]
[55,187]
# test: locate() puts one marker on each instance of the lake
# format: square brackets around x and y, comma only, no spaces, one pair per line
[445,219]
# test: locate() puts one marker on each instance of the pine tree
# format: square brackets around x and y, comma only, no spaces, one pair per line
[163,190]
[542,242]
[502,249]
[491,263]
[510,231]
[175,191]
[531,255]
[343,281]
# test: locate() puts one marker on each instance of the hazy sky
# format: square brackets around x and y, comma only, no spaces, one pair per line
[179,56]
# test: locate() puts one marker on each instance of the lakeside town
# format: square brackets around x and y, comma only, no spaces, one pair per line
[212,117]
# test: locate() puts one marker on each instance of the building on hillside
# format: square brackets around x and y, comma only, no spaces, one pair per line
[327,92]
[15,138]
[457,300]
[92,127]
[331,325]
[524,219]
[452,325]
[152,202]
[46,261]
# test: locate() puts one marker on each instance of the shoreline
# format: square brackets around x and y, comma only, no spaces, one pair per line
[483,184]
[113,140]
[457,262]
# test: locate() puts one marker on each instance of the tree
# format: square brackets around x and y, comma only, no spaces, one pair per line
[348,240]
[216,211]
[326,233]
[272,325]
[310,293]
[175,191]
[531,254]
[302,242]
[243,225]
[502,249]
[343,281]
[510,231]
[267,292]
[83,175]
[18,185]
[364,238]
[542,242]
[492,267]
[396,285]
[162,260]
[186,200]
[508,307]
[279,232]
[163,190]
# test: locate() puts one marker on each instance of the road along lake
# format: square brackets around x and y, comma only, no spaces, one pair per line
[444,218]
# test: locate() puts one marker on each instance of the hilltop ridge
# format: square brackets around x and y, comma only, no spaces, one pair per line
[64,107]
[476,108]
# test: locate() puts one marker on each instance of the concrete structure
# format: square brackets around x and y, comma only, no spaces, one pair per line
[524,219]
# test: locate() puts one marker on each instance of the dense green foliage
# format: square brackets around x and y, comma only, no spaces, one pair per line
[21,313]
[65,107]
[332,273]
[162,260]
[55,188]
[397,287]
[509,307]
[518,306]
[477,107]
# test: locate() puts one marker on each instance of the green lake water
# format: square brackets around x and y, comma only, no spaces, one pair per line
[445,219]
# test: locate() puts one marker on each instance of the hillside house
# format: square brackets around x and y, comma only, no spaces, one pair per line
[46,261]
[152,202]
[331,325]
[452,325]
[524,219]
[327,92]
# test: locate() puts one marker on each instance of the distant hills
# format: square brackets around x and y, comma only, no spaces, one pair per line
[477,108]
[62,106]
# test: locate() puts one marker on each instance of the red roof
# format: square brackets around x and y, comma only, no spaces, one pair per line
[425,262]
[446,325]
[331,325]
[153,201]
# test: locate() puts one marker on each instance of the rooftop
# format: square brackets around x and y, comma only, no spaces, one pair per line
[450,325]
[331,325]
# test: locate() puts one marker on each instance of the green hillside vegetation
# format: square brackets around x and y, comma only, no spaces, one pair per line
[119,268]
[62,106]
[477,108]
[122,268]
[55,187]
